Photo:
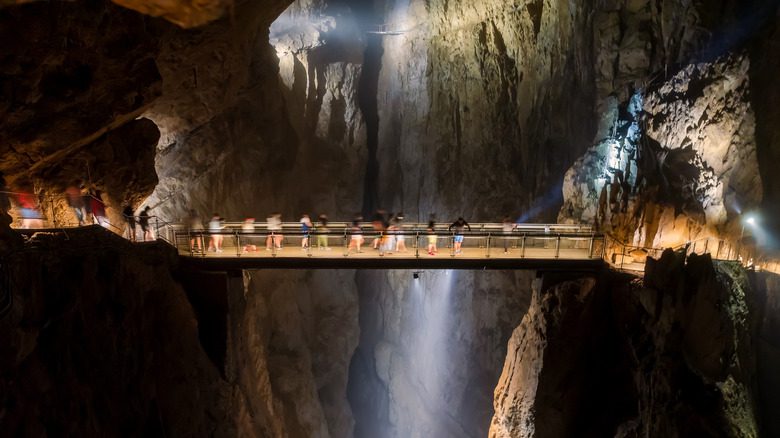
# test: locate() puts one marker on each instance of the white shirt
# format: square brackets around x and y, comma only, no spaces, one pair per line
[274,223]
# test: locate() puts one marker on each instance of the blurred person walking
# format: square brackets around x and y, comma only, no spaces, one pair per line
[275,236]
[75,201]
[195,229]
[432,250]
[322,232]
[216,224]
[128,215]
[28,204]
[248,228]
[356,237]
[143,221]
[98,208]
[306,227]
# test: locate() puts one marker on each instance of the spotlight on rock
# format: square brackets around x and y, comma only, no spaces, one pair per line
[416,274]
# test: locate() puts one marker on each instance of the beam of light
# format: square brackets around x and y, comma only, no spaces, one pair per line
[293,31]
[736,34]
[763,238]
[429,348]
[552,199]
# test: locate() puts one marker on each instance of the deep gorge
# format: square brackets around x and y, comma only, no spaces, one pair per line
[482,109]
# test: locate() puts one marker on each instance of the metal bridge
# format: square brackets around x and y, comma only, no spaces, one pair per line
[486,246]
[551,247]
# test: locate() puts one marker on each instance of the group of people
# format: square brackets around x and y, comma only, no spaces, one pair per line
[87,205]
[141,220]
[88,208]
[387,227]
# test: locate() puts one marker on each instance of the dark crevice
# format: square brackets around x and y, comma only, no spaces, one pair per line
[367,101]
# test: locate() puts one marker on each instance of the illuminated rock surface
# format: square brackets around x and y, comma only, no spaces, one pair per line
[673,355]
[474,108]
[185,13]
[691,165]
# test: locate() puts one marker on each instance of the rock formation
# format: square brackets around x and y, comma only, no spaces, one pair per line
[100,340]
[684,159]
[340,106]
[672,355]
[65,87]
[185,13]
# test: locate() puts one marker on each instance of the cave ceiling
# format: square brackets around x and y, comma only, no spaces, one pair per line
[80,70]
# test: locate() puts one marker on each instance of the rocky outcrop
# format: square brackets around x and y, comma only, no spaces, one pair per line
[101,340]
[291,338]
[185,13]
[672,355]
[269,126]
[767,314]
[65,86]
[682,165]
[479,104]
[562,376]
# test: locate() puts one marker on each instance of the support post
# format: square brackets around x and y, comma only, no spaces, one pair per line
[522,247]
[590,246]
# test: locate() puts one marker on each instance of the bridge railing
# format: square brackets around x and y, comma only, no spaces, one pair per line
[521,244]
[719,249]
[628,257]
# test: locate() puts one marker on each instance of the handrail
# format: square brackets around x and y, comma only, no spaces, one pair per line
[577,245]
[488,236]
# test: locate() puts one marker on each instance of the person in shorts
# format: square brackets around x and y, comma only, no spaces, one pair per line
[459,226]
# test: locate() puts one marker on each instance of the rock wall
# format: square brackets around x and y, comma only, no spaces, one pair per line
[676,154]
[682,166]
[101,341]
[672,355]
[291,338]
[64,87]
[767,343]
[480,104]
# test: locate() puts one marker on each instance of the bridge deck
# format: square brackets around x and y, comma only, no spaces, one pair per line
[470,258]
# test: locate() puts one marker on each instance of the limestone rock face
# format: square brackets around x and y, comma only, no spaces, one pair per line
[675,356]
[480,104]
[101,340]
[291,339]
[685,164]
[768,345]
[554,382]
[63,87]
[260,129]
[185,13]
